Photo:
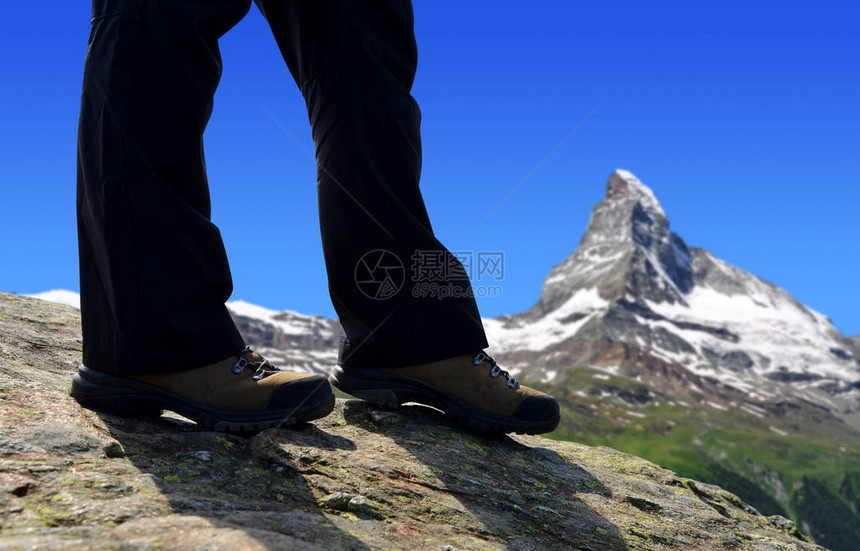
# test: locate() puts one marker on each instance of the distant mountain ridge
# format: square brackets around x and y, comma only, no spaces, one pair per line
[289,339]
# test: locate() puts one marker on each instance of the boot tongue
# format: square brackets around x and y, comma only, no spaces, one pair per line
[253,357]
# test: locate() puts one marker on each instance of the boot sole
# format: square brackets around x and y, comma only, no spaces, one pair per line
[125,397]
[391,390]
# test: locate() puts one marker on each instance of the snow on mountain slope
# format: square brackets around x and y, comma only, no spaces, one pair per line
[286,321]
[562,323]
[288,339]
[62,296]
[780,337]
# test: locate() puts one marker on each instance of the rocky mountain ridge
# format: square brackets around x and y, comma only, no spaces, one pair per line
[362,478]
[634,295]
[289,339]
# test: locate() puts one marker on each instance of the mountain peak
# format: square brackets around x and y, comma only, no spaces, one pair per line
[627,250]
[635,284]
[623,186]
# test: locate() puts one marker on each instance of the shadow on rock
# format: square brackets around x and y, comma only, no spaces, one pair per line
[229,491]
[523,497]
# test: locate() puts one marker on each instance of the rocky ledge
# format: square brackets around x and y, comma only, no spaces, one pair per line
[362,478]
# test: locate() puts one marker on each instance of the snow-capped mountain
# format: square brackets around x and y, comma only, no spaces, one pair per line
[634,295]
[288,339]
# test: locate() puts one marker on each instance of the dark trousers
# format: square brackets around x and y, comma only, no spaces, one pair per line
[154,273]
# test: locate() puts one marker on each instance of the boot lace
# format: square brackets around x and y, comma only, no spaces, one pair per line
[495,370]
[261,369]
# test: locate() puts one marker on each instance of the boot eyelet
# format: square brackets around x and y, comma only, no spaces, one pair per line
[239,366]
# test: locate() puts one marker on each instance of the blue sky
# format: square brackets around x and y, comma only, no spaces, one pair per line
[741,116]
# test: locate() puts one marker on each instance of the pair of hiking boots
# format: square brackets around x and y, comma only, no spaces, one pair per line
[245,393]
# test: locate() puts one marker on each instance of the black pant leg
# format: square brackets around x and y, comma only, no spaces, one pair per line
[154,273]
[355,62]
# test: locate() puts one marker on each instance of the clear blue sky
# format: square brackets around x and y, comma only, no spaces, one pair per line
[742,116]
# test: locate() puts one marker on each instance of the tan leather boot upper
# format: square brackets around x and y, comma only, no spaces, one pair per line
[481,385]
[222,385]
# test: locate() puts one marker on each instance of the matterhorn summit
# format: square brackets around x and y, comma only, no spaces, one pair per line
[627,250]
[635,296]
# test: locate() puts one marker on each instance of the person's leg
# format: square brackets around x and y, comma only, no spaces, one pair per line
[354,62]
[154,273]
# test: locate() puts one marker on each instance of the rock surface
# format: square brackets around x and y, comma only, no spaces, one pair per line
[362,478]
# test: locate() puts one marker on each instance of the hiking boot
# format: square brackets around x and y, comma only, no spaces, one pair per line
[471,389]
[242,393]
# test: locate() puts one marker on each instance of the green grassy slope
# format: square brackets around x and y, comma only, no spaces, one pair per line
[792,464]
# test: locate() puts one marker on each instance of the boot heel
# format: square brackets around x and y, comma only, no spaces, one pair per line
[380,397]
[113,401]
